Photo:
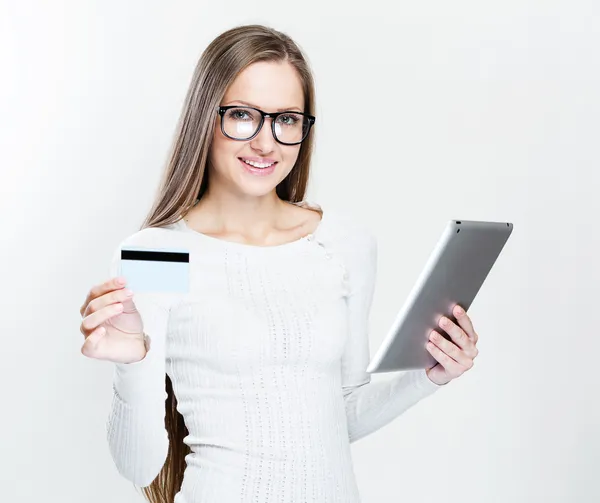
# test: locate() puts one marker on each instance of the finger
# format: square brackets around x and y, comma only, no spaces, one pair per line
[451,349]
[99,290]
[123,295]
[465,322]
[449,364]
[92,321]
[90,345]
[458,335]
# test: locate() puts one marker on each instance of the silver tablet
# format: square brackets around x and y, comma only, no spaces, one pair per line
[454,273]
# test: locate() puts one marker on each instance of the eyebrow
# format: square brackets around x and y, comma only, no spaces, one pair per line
[290,109]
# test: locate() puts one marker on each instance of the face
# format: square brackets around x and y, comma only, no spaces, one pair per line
[270,87]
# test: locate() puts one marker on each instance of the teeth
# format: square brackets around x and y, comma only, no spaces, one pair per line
[258,164]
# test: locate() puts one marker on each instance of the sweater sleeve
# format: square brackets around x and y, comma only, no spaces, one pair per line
[137,437]
[370,405]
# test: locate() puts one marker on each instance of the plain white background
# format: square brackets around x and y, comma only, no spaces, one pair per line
[426,111]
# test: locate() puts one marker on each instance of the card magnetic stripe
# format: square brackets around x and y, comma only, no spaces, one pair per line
[156,256]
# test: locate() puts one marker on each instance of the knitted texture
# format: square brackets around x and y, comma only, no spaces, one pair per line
[267,354]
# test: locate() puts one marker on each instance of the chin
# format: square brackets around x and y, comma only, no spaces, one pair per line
[256,190]
[255,184]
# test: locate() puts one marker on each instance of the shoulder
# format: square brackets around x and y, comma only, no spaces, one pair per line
[352,241]
[151,236]
[348,232]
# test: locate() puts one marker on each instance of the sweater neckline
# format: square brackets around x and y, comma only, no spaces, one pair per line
[224,243]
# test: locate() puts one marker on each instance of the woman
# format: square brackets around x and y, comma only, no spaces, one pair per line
[262,364]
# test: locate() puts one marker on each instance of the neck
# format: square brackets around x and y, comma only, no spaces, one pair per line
[224,213]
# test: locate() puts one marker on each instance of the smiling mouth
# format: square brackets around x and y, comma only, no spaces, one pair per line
[258,165]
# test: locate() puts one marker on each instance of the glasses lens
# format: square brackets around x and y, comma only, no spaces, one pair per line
[291,127]
[240,123]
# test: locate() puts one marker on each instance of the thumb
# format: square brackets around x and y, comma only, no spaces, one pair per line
[92,341]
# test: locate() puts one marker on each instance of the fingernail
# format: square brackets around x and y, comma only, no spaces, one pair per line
[459,310]
[120,280]
[128,292]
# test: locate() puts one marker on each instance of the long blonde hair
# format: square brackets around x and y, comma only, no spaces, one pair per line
[184,178]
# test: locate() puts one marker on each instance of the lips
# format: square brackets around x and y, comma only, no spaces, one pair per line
[257,171]
[260,160]
[267,163]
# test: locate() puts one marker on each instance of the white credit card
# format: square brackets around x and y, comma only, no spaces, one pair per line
[155,269]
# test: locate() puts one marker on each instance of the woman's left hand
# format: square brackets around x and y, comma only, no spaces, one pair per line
[454,357]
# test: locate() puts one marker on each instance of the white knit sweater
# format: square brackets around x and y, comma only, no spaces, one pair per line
[267,356]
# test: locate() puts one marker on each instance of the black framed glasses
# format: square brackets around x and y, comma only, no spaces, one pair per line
[244,123]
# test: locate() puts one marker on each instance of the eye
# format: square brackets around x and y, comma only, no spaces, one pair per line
[239,114]
[289,119]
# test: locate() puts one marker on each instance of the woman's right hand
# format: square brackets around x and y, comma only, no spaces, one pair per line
[112,326]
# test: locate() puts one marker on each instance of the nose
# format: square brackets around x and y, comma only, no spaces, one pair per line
[264,141]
